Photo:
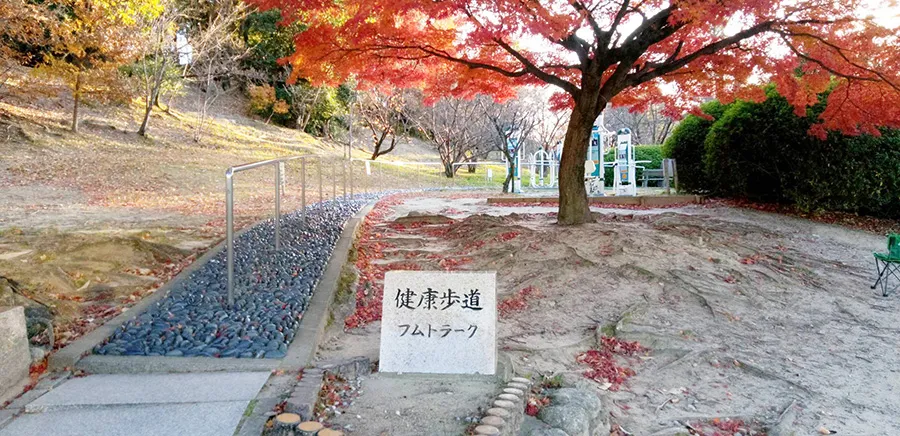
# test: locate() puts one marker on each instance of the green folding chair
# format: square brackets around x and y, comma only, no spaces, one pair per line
[888,265]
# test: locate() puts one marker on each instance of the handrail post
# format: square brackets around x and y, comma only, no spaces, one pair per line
[229,232]
[321,188]
[344,178]
[350,176]
[277,206]
[303,186]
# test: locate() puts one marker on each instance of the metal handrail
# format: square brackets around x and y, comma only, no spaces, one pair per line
[347,187]
[229,203]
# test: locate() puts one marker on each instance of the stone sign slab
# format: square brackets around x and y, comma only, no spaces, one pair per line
[15,356]
[439,322]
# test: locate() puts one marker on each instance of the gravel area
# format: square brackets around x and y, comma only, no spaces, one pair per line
[271,293]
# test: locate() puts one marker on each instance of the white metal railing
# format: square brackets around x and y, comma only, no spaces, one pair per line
[279,172]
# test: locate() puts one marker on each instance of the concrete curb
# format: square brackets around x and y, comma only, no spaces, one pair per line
[96,364]
[78,354]
[312,326]
[70,355]
[639,200]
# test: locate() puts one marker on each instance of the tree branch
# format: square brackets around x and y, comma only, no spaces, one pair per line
[537,72]
[668,67]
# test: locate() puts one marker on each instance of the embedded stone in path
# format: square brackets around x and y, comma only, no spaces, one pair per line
[439,322]
[416,404]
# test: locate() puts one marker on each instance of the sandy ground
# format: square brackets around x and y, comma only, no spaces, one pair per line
[747,315]
[413,405]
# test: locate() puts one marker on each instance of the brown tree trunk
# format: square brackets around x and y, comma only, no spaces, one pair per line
[573,201]
[510,171]
[76,94]
[147,109]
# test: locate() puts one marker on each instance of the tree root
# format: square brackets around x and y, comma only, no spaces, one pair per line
[693,290]
[579,255]
[756,371]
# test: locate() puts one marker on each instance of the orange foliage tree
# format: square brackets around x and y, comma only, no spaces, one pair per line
[599,52]
[87,41]
[21,22]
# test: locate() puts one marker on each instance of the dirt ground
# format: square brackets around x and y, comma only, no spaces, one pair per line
[747,315]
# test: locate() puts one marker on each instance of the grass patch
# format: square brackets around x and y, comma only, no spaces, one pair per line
[330,319]
[345,285]
[554,382]
[609,330]
[249,410]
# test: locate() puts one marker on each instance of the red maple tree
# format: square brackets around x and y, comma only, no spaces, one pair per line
[600,52]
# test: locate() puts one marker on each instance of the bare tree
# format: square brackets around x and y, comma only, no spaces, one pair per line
[510,125]
[456,128]
[647,127]
[217,51]
[383,114]
[550,125]
[304,99]
[156,58]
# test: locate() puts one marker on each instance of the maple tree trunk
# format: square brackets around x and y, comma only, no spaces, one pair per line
[573,201]
[76,95]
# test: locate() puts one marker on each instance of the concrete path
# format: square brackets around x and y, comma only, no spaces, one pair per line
[198,404]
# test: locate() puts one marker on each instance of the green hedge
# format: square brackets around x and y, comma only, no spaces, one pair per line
[762,152]
[687,146]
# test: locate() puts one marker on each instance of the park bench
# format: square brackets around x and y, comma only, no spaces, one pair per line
[652,175]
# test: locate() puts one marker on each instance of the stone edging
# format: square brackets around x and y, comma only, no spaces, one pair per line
[507,410]
[80,349]
[637,200]
[306,392]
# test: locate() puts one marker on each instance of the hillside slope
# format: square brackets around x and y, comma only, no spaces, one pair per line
[93,221]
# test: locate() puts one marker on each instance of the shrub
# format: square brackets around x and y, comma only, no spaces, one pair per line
[854,174]
[763,152]
[686,146]
[753,149]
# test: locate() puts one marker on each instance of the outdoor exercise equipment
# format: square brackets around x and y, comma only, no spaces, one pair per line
[543,169]
[600,140]
[625,165]
[887,265]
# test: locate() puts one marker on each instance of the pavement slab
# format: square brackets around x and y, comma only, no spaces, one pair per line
[107,389]
[198,419]
[197,404]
